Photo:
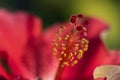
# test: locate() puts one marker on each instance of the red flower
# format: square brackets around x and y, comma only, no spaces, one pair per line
[27,50]
[96,55]
[23,47]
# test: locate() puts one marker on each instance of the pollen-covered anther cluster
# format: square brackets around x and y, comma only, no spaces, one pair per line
[70,42]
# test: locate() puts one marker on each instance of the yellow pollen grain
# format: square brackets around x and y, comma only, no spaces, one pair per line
[66,38]
[60,59]
[75,53]
[60,30]
[55,44]
[85,49]
[80,54]
[75,61]
[86,45]
[79,57]
[63,44]
[72,58]
[67,35]
[71,54]
[65,63]
[54,49]
[63,48]
[83,39]
[62,52]
[63,27]
[76,48]
[80,51]
[83,42]
[76,45]
[59,38]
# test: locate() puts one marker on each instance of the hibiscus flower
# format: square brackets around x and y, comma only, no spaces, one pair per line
[26,49]
[96,55]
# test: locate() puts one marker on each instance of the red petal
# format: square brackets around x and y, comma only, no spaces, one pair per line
[3,56]
[49,34]
[115,57]
[4,74]
[96,27]
[15,31]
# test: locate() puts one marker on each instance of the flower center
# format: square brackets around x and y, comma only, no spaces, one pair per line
[70,42]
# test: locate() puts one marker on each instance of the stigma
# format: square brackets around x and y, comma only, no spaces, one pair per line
[70,42]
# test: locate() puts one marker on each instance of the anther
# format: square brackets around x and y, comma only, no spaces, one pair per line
[54,49]
[64,48]
[59,38]
[76,48]
[55,44]
[80,16]
[79,28]
[65,63]
[73,16]
[63,27]
[84,28]
[76,45]
[67,35]
[63,44]
[75,62]
[75,53]
[86,22]
[73,19]
[62,52]
[72,58]
[71,54]
[60,59]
